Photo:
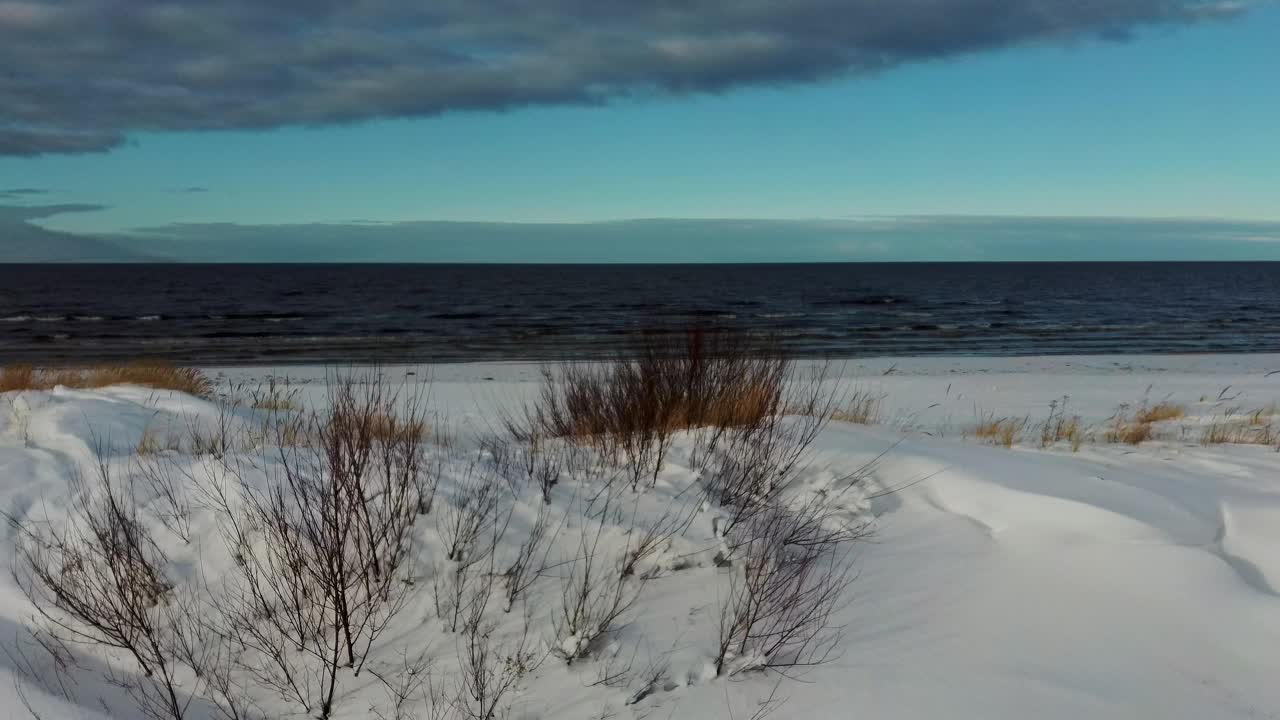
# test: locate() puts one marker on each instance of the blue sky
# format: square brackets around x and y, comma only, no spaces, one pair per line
[1177,121]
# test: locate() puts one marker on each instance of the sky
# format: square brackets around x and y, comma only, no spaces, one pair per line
[193,125]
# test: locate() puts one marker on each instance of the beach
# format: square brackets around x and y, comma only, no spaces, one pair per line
[1060,574]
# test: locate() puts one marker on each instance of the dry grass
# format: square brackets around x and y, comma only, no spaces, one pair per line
[275,396]
[1159,413]
[701,379]
[154,375]
[17,377]
[149,443]
[1129,432]
[1139,426]
[1004,432]
[388,429]
[1060,427]
[862,408]
[1253,428]
[1262,416]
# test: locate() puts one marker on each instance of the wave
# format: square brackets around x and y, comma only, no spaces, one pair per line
[461,316]
[862,300]
[265,317]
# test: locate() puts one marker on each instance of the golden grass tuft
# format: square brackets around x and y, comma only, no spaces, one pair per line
[1159,413]
[1004,432]
[156,375]
[17,377]
[1129,432]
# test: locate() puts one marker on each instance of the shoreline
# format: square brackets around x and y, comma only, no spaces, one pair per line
[884,366]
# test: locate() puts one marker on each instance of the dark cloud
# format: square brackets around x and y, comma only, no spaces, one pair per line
[78,75]
[23,241]
[22,193]
[193,189]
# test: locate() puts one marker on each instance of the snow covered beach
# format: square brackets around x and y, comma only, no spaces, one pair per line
[1112,580]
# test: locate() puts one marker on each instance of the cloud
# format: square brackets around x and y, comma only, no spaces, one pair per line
[22,193]
[27,213]
[83,74]
[193,189]
[930,238]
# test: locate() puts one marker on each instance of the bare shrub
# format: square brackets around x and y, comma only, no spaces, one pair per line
[463,587]
[170,503]
[98,579]
[323,550]
[595,594]
[783,591]
[533,459]
[471,511]
[747,468]
[491,670]
[530,559]
[406,684]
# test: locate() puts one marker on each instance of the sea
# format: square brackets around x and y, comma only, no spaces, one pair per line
[324,314]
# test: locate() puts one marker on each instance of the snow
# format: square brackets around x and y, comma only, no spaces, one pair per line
[1113,582]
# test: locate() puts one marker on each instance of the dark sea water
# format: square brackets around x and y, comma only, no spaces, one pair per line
[276,314]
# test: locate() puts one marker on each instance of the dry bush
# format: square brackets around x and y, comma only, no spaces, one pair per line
[860,408]
[631,408]
[1004,432]
[156,375]
[1159,412]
